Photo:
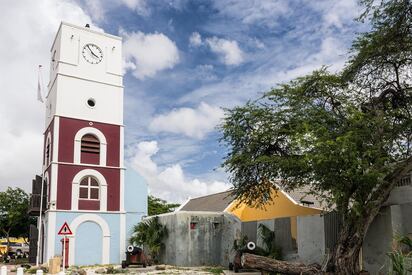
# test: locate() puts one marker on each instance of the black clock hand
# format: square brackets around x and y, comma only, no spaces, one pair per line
[92,52]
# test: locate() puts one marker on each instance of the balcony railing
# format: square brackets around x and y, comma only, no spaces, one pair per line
[34,205]
[405,181]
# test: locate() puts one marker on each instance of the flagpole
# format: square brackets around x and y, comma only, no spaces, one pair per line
[40,226]
[40,220]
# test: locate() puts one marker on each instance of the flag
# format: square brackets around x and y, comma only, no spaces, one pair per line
[39,87]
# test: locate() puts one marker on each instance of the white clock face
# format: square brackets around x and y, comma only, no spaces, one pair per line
[92,53]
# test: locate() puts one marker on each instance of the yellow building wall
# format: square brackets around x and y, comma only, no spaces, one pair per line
[280,207]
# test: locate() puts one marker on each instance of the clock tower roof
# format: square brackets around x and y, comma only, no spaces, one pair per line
[98,32]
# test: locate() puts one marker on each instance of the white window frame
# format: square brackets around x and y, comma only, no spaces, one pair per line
[78,144]
[76,185]
[89,187]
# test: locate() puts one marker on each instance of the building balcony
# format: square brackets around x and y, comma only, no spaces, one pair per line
[34,204]
[36,198]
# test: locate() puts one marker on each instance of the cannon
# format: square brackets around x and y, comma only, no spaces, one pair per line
[250,247]
[134,256]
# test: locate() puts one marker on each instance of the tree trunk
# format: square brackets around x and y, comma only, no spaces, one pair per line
[272,265]
[346,258]
[346,255]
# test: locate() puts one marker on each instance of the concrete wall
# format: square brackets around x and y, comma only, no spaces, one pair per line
[311,239]
[306,245]
[200,238]
[391,221]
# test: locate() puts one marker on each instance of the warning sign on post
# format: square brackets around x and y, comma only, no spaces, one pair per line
[65,230]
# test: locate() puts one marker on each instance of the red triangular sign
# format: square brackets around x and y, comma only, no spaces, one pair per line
[65,230]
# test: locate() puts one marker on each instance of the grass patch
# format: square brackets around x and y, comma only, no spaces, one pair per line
[214,270]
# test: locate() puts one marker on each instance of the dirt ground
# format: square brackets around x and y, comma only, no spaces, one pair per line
[161,269]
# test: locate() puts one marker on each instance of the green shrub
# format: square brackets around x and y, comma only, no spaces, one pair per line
[150,234]
[401,257]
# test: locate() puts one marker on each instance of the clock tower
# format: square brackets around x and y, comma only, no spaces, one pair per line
[83,169]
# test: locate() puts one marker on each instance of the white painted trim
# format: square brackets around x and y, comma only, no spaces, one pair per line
[99,135]
[51,81]
[102,184]
[105,234]
[297,203]
[123,237]
[87,164]
[51,235]
[229,207]
[92,211]
[183,204]
[56,132]
[122,190]
[53,187]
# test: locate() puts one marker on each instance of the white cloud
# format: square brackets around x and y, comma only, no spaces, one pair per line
[169,183]
[249,12]
[205,72]
[147,54]
[96,9]
[195,123]
[195,40]
[139,6]
[238,88]
[228,50]
[28,29]
[337,13]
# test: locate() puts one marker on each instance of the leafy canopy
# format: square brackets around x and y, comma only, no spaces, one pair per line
[14,218]
[345,135]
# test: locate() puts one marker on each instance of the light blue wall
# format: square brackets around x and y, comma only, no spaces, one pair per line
[135,192]
[131,220]
[112,220]
[88,244]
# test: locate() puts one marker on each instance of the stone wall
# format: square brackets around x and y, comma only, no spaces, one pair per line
[200,238]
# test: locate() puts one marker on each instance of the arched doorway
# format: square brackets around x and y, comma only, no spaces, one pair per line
[90,241]
[88,248]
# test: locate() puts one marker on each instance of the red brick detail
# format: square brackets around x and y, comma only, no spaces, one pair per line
[89,205]
[68,129]
[89,158]
[66,174]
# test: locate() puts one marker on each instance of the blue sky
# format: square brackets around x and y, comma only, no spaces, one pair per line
[185,60]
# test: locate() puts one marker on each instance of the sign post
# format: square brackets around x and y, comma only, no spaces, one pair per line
[64,231]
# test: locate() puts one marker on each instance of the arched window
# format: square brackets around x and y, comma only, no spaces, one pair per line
[90,146]
[47,150]
[89,188]
[90,149]
[89,191]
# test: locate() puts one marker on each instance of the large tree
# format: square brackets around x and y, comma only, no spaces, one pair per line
[158,206]
[14,218]
[347,135]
